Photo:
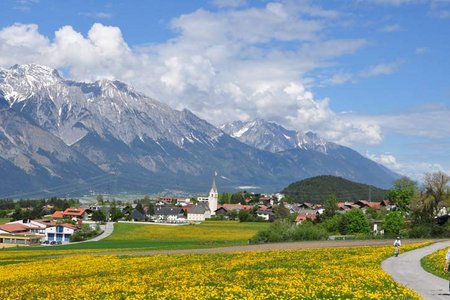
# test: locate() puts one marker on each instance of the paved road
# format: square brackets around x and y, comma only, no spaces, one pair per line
[107,230]
[406,269]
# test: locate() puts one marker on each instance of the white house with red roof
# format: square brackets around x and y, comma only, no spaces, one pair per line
[18,234]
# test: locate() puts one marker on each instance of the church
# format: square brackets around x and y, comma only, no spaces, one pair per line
[213,197]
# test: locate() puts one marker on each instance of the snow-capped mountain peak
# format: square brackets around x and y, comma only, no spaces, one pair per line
[270,136]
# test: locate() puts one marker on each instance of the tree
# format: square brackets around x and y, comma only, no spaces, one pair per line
[402,193]
[354,221]
[281,211]
[330,207]
[115,214]
[140,208]
[435,195]
[437,190]
[393,223]
[100,199]
[98,216]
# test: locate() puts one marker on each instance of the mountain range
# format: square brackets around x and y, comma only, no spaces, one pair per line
[62,137]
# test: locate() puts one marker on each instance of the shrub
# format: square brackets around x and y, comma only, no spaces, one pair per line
[420,231]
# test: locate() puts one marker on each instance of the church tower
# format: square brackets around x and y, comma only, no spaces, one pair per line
[213,197]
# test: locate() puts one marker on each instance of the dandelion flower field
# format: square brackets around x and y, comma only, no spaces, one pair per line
[326,273]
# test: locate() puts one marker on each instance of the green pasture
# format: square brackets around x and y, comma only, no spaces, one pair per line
[164,237]
[137,237]
[4,220]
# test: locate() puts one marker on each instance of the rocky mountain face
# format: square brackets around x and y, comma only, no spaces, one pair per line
[61,137]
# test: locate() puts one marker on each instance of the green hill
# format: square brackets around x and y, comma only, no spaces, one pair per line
[317,189]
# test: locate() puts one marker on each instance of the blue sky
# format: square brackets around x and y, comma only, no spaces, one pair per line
[372,75]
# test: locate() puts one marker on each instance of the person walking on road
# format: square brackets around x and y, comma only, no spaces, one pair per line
[397,244]
[447,261]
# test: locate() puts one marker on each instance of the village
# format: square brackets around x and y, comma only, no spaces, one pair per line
[61,227]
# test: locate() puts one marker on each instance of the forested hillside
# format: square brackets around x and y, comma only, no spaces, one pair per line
[317,189]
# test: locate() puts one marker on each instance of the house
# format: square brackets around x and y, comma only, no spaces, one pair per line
[75,213]
[265,214]
[60,232]
[305,216]
[71,213]
[137,216]
[58,215]
[221,211]
[34,226]
[168,214]
[18,234]
[197,213]
[237,207]
[386,204]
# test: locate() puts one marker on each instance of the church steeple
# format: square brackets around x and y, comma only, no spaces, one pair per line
[213,197]
[213,187]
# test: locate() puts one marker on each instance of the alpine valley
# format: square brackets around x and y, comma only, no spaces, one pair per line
[61,137]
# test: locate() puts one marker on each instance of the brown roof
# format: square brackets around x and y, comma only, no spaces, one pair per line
[375,205]
[237,206]
[14,228]
[303,217]
[74,212]
[58,214]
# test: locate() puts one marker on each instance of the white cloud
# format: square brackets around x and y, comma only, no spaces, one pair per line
[422,50]
[414,169]
[220,64]
[391,28]
[96,15]
[229,3]
[380,69]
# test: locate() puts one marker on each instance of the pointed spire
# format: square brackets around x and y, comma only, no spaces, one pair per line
[214,187]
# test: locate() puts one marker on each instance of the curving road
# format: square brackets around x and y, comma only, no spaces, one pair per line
[406,269]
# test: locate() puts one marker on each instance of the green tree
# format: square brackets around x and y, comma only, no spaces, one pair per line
[330,207]
[354,221]
[98,216]
[100,199]
[139,208]
[393,222]
[281,212]
[402,193]
[434,197]
[115,214]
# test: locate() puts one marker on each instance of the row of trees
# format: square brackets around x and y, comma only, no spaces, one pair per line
[416,212]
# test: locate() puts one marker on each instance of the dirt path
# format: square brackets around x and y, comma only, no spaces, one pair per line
[264,247]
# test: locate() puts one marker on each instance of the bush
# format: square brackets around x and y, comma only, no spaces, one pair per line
[308,232]
[420,231]
[285,231]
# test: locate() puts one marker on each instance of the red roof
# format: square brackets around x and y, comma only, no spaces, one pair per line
[74,212]
[307,216]
[376,205]
[14,228]
[59,214]
[237,206]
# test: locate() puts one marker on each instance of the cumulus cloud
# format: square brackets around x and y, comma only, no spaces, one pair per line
[414,169]
[221,65]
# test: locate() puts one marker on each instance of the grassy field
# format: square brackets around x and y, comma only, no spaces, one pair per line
[339,273]
[434,263]
[162,237]
[4,220]
[136,237]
